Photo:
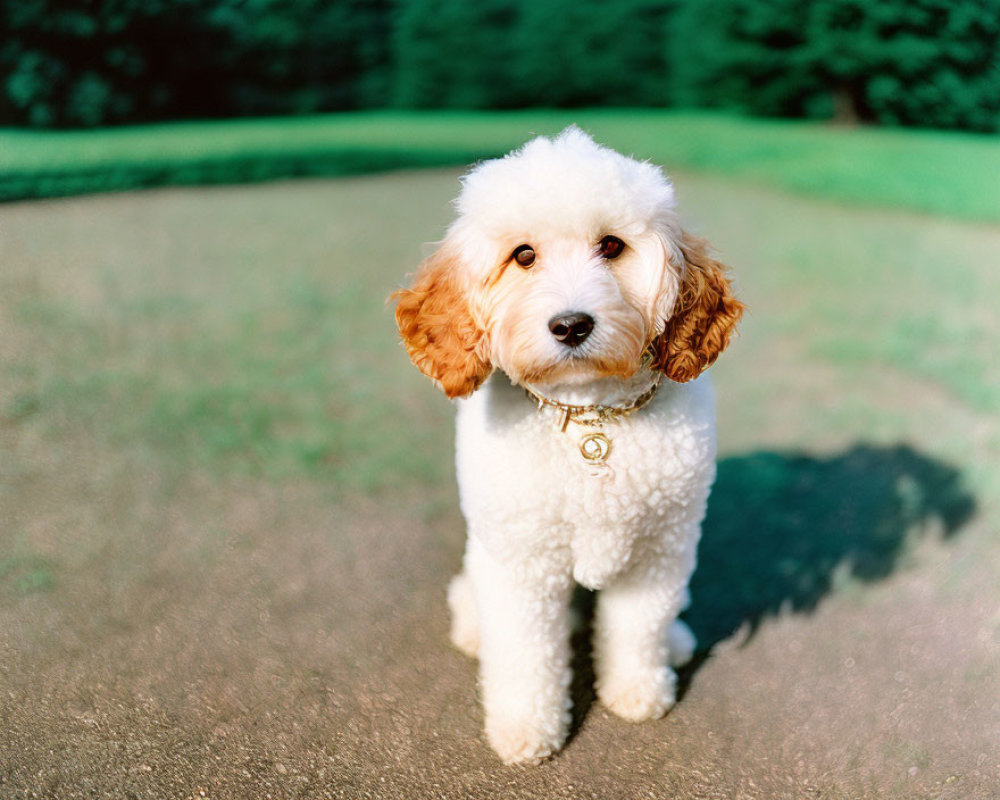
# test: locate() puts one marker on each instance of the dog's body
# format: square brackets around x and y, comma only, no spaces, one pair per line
[586,293]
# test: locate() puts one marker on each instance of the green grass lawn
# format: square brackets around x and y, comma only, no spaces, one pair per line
[945,173]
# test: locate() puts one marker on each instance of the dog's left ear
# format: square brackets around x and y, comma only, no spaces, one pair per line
[438,328]
[704,315]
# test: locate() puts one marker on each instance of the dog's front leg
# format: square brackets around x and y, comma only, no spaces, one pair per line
[631,641]
[524,653]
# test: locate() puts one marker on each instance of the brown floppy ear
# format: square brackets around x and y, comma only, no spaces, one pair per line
[703,319]
[438,329]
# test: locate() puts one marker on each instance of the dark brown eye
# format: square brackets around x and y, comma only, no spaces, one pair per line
[524,256]
[611,247]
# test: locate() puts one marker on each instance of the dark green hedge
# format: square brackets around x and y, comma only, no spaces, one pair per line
[933,63]
[248,168]
[74,63]
[80,63]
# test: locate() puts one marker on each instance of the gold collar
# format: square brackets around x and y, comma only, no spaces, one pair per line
[595,447]
[594,416]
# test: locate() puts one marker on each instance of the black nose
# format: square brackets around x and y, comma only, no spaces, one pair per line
[571,329]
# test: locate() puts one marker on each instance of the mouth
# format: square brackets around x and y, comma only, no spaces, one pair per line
[580,366]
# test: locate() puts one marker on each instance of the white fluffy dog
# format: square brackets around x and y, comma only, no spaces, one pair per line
[564,292]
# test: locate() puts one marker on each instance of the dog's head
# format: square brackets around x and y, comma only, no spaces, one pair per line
[565,264]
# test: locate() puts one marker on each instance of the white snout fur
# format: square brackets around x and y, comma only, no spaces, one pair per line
[566,278]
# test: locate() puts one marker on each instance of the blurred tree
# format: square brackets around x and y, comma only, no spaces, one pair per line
[301,56]
[89,62]
[509,53]
[587,53]
[746,55]
[912,62]
[458,54]
[73,62]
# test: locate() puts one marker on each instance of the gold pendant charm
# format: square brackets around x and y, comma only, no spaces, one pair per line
[595,447]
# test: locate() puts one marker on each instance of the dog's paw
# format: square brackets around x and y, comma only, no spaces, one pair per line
[639,697]
[681,643]
[464,620]
[522,741]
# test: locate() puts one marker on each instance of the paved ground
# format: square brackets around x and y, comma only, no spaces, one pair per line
[313,666]
[197,635]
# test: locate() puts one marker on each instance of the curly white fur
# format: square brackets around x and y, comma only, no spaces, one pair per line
[540,516]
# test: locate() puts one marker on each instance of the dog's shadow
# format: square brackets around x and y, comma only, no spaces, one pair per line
[784,529]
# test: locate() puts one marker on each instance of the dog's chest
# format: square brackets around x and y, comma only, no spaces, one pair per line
[526,484]
[632,500]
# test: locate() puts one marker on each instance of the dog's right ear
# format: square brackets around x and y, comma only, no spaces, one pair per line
[439,332]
